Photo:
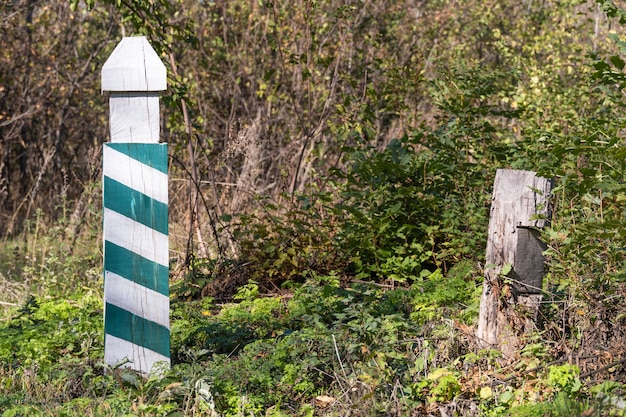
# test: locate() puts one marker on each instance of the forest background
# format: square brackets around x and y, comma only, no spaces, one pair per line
[331,166]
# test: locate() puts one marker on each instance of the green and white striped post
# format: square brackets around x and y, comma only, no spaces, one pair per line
[136,249]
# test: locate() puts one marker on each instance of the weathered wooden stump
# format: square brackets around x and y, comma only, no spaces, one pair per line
[514,265]
[136,249]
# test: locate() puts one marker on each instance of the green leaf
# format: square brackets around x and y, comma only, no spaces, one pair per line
[617,61]
[506,397]
[395,208]
[439,373]
[485,393]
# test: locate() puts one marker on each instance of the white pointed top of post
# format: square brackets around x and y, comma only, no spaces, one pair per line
[134,66]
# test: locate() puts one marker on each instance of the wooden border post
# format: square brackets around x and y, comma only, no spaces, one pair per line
[514,264]
[135,200]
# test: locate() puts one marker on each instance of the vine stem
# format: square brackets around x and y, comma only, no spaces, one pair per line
[194,224]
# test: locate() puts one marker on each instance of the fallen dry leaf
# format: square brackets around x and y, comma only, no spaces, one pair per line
[323,401]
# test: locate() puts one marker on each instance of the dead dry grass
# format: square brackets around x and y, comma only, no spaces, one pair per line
[12,293]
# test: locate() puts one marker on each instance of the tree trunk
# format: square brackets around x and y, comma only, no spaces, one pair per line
[514,264]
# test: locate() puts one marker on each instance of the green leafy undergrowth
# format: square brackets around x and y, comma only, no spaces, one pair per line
[368,350]
[44,331]
[320,349]
[363,340]
[49,354]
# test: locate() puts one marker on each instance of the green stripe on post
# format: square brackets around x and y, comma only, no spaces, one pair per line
[136,268]
[134,329]
[146,153]
[135,205]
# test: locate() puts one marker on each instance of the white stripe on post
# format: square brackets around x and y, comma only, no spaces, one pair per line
[137,299]
[136,249]
[134,174]
[119,350]
[135,237]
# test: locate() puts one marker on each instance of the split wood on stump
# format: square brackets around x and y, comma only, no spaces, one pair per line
[509,304]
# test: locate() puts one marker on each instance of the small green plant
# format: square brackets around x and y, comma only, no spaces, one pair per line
[565,378]
[445,386]
[437,295]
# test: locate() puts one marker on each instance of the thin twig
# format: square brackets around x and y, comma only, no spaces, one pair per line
[4,303]
[496,381]
[340,362]
[604,368]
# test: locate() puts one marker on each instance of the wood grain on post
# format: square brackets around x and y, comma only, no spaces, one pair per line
[519,209]
[134,75]
[135,191]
